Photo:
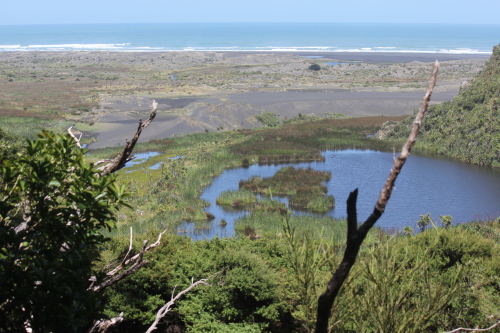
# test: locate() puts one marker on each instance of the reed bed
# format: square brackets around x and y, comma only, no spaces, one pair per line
[270,224]
[29,127]
[289,181]
[304,187]
[315,204]
[304,141]
[237,198]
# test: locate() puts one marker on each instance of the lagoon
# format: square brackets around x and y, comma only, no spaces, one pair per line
[427,184]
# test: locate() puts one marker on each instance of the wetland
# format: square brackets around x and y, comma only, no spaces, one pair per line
[209,109]
[228,118]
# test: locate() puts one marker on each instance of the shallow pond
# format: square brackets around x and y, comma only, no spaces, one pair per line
[141,158]
[336,63]
[427,184]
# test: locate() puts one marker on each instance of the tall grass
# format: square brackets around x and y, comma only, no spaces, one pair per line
[236,198]
[29,127]
[166,197]
[313,203]
[269,223]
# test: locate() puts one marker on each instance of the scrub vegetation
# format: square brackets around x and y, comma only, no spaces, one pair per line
[267,278]
[436,280]
[468,127]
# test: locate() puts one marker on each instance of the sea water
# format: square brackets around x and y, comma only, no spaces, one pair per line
[255,37]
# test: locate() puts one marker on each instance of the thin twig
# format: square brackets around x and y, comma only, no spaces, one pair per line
[129,249]
[126,262]
[137,264]
[475,329]
[102,325]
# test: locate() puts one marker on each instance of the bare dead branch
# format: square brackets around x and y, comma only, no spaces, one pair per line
[385,194]
[115,276]
[129,271]
[119,161]
[475,329]
[355,235]
[129,248]
[166,308]
[101,326]
[136,257]
[102,162]
[77,140]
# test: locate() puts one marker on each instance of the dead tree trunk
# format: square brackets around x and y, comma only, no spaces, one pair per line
[355,235]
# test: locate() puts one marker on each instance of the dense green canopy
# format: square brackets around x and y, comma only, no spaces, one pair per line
[468,127]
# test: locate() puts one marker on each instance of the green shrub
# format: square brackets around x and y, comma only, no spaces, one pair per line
[468,127]
[435,281]
[268,119]
[315,67]
[60,208]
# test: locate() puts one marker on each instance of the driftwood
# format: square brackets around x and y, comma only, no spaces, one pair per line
[355,235]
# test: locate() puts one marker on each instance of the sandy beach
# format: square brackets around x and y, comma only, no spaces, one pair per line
[105,93]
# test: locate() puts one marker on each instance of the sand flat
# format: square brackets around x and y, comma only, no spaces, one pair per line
[211,91]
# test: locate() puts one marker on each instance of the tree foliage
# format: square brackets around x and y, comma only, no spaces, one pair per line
[314,67]
[244,295]
[53,209]
[468,127]
[268,119]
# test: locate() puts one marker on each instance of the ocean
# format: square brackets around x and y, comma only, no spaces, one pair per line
[254,37]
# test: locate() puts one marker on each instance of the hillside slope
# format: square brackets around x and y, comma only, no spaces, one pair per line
[468,127]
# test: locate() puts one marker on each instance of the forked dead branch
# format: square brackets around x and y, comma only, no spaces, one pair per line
[125,156]
[355,235]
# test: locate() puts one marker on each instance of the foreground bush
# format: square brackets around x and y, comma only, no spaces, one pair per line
[432,282]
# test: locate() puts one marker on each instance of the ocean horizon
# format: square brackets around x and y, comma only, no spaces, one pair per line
[253,37]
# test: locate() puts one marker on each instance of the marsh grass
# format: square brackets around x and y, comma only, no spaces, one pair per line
[268,223]
[304,187]
[290,181]
[304,141]
[170,195]
[315,204]
[29,127]
[237,198]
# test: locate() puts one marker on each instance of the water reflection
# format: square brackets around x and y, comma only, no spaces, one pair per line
[428,184]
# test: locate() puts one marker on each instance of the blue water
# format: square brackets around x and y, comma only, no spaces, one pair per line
[141,157]
[275,37]
[427,184]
